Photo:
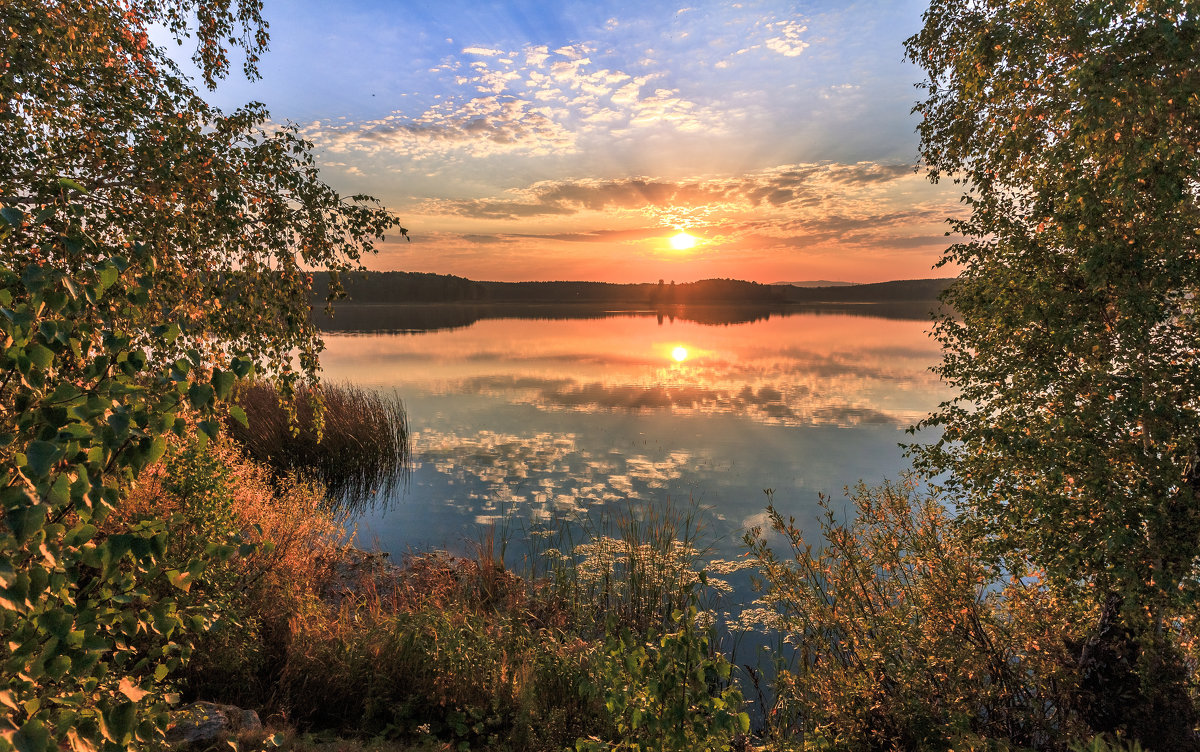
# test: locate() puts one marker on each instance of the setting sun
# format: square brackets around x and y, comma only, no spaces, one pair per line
[679,354]
[683,241]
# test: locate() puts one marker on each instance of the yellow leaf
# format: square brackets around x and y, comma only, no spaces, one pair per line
[131,690]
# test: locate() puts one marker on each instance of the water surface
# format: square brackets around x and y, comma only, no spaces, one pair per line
[515,420]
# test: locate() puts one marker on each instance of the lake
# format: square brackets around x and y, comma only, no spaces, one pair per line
[541,415]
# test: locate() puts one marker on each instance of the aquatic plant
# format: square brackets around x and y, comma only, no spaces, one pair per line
[354,441]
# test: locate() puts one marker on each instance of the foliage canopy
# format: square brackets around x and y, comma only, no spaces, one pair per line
[153,251]
[1075,129]
[231,207]
[1074,444]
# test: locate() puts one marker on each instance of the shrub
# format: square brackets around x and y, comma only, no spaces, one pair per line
[904,639]
[209,492]
[670,693]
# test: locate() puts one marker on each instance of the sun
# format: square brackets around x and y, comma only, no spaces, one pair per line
[682,241]
[679,354]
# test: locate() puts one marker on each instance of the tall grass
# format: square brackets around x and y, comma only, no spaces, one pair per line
[629,567]
[354,441]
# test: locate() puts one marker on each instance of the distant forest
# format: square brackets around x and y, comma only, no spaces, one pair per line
[414,287]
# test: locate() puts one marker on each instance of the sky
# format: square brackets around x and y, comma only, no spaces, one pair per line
[556,140]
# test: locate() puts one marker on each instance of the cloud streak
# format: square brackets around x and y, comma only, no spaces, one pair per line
[785,186]
[532,101]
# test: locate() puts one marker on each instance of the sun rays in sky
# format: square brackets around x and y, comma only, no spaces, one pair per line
[681,241]
[617,141]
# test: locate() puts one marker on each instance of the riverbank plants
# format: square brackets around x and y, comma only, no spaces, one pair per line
[354,441]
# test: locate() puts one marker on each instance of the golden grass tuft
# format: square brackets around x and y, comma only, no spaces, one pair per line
[353,440]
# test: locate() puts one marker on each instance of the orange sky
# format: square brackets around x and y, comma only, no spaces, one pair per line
[538,140]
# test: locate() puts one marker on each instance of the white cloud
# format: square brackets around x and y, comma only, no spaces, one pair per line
[536,56]
[480,127]
[788,43]
[535,102]
[483,51]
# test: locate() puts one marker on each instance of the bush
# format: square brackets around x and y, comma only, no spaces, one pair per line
[211,494]
[671,693]
[904,639]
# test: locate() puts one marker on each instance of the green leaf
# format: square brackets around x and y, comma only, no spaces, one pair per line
[118,724]
[243,367]
[157,449]
[200,395]
[33,737]
[12,216]
[69,183]
[209,428]
[41,456]
[42,356]
[108,276]
[239,415]
[222,382]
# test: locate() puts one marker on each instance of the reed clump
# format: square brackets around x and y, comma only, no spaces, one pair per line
[634,566]
[354,441]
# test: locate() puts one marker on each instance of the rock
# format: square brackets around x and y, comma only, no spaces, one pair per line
[200,725]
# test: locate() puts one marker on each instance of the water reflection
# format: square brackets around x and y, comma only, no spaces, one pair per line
[801,370]
[544,418]
[418,318]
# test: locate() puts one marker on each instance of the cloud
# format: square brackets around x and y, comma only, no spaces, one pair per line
[483,51]
[788,42]
[479,127]
[787,186]
[806,209]
[792,404]
[596,236]
[531,102]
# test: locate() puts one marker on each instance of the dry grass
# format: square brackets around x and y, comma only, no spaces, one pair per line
[289,512]
[354,441]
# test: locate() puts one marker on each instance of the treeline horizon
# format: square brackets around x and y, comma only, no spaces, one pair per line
[396,287]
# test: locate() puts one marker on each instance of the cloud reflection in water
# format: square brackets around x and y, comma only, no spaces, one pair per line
[552,418]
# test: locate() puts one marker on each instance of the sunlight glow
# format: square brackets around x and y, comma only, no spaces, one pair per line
[679,354]
[683,241]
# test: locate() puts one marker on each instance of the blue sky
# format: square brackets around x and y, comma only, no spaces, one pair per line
[554,140]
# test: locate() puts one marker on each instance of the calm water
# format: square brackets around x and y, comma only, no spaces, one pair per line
[516,420]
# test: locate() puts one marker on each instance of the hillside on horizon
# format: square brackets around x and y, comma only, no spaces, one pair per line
[392,288]
[817,283]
